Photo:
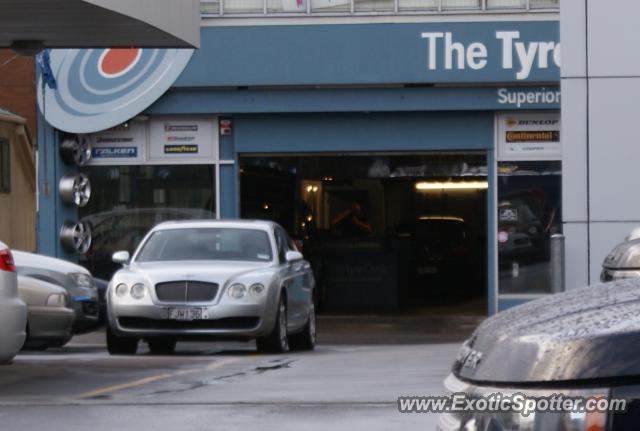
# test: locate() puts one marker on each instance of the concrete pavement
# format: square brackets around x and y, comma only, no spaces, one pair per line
[207,386]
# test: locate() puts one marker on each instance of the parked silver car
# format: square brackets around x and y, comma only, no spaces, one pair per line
[212,280]
[624,260]
[74,278]
[49,319]
[13,312]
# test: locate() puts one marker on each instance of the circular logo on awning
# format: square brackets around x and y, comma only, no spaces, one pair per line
[116,62]
[101,88]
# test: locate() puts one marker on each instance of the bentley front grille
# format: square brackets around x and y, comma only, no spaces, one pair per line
[186,291]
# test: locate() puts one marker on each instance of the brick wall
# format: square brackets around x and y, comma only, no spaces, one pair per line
[17,88]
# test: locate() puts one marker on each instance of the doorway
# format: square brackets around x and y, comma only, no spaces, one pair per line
[397,233]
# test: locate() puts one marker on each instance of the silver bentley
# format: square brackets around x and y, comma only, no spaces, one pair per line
[206,280]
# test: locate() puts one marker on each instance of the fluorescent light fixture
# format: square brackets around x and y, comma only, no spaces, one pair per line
[452,185]
[445,218]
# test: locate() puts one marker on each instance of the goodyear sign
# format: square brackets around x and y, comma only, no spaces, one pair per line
[181,149]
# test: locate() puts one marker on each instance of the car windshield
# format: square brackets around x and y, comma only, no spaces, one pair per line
[206,244]
[440,234]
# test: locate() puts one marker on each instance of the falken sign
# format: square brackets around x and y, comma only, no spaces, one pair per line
[514,54]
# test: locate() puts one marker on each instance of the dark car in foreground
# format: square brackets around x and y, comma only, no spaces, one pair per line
[584,343]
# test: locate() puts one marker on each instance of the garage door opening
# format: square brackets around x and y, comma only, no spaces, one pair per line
[399,233]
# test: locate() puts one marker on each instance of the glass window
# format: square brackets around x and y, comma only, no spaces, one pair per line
[461,4]
[206,244]
[330,5]
[286,6]
[127,201]
[208,7]
[529,212]
[506,4]
[243,6]
[5,167]
[374,5]
[544,4]
[417,5]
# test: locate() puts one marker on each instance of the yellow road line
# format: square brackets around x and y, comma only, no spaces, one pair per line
[152,379]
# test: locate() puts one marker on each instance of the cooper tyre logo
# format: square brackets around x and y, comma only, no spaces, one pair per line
[100,88]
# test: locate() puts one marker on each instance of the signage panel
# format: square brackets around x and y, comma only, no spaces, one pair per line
[193,139]
[407,53]
[529,136]
[122,145]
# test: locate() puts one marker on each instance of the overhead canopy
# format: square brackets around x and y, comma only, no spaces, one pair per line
[100,23]
[96,89]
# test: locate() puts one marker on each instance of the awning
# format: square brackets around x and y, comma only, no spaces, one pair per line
[96,89]
[99,23]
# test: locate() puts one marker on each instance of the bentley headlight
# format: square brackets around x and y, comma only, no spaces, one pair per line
[138,291]
[56,300]
[122,290]
[257,290]
[81,280]
[237,291]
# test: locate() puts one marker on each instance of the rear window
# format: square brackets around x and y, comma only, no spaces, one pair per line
[206,244]
[440,229]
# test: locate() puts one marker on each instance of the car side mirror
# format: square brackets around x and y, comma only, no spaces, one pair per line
[121,257]
[293,256]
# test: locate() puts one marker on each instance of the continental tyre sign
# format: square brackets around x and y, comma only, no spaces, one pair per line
[540,136]
[529,136]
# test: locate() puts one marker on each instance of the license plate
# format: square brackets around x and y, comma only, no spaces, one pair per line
[188,313]
[428,270]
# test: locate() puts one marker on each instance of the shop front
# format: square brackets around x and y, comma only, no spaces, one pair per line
[411,178]
[143,173]
[396,219]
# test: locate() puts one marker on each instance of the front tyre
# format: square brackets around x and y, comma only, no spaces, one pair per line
[277,341]
[306,340]
[117,345]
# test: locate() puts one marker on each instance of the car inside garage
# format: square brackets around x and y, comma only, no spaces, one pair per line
[384,232]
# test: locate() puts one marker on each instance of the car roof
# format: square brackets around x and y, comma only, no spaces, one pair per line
[229,223]
[40,285]
[23,258]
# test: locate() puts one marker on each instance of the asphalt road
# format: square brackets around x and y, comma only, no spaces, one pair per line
[220,386]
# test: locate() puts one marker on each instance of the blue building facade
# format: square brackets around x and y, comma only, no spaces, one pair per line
[398,107]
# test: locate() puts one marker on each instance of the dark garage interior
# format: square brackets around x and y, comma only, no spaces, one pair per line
[385,233]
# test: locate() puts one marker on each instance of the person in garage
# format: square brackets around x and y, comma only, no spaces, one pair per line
[351,222]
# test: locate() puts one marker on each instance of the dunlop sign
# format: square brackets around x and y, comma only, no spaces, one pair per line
[529,136]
